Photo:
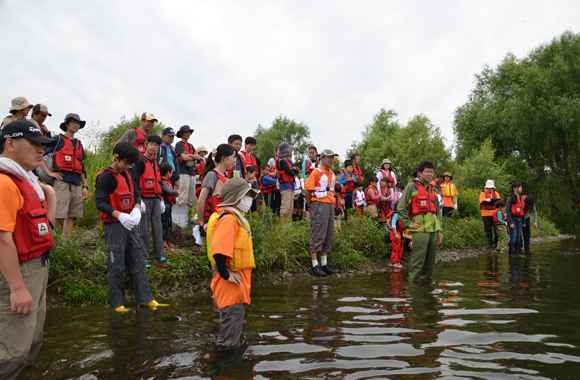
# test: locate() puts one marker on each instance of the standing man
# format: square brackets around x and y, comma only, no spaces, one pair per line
[25,242]
[166,153]
[449,195]
[311,163]
[418,209]
[137,136]
[248,154]
[19,110]
[320,198]
[239,169]
[356,169]
[487,200]
[187,162]
[39,114]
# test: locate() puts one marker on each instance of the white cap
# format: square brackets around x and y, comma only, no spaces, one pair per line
[490,184]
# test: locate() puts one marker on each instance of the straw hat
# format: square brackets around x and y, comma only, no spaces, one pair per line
[447,174]
[234,189]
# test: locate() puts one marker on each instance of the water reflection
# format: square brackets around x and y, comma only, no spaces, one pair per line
[488,317]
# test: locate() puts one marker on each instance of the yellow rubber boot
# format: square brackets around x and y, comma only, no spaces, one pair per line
[154,305]
[121,309]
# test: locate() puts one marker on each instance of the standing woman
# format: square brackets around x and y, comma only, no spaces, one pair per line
[213,178]
[386,172]
[515,213]
[449,195]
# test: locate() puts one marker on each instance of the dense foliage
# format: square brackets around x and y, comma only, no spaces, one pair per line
[282,129]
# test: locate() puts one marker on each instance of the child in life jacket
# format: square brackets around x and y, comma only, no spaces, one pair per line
[347,179]
[399,188]
[169,195]
[251,173]
[231,253]
[372,196]
[338,204]
[119,203]
[500,221]
[268,187]
[359,198]
[298,209]
[387,194]
[397,229]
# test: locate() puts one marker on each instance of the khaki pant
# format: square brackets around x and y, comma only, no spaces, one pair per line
[186,191]
[69,200]
[231,323]
[372,210]
[21,338]
[287,202]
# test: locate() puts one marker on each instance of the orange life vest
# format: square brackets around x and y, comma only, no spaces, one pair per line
[122,199]
[492,196]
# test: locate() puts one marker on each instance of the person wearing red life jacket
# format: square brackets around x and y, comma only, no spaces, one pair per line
[147,179]
[268,188]
[310,163]
[515,211]
[188,160]
[348,180]
[119,203]
[418,209]
[286,175]
[202,151]
[529,206]
[320,198]
[372,197]
[387,194]
[239,168]
[28,209]
[138,136]
[500,222]
[355,168]
[247,155]
[396,236]
[70,183]
[169,195]
[213,178]
[386,172]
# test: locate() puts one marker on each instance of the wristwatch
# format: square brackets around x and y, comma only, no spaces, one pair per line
[85,187]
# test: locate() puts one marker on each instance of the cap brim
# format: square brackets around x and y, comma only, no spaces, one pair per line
[43,140]
[148,119]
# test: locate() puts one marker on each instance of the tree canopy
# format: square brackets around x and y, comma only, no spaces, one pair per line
[282,129]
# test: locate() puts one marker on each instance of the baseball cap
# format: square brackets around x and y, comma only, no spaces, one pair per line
[168,131]
[22,128]
[327,153]
[42,109]
[148,117]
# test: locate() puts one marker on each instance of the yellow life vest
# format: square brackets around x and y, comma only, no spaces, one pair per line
[447,190]
[243,247]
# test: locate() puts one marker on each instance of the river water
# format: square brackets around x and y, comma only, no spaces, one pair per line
[488,317]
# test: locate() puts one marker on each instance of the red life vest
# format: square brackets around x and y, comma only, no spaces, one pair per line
[492,196]
[122,199]
[309,167]
[170,197]
[266,189]
[337,203]
[384,207]
[139,141]
[342,192]
[70,157]
[350,185]
[211,202]
[399,226]
[283,177]
[368,197]
[199,168]
[518,208]
[424,202]
[389,175]
[150,180]
[527,207]
[249,159]
[496,221]
[31,236]
[188,149]
[357,173]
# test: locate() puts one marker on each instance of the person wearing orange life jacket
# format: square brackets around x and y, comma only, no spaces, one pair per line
[515,211]
[449,194]
[386,172]
[348,180]
[487,199]
[119,203]
[213,178]
[147,179]
[27,209]
[169,195]
[71,184]
[286,175]
[372,197]
[320,198]
[418,209]
[355,168]
[138,136]
[188,159]
[500,222]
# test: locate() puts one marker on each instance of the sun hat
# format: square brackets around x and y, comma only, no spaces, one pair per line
[490,184]
[148,117]
[41,109]
[328,153]
[285,149]
[202,148]
[22,128]
[184,128]
[20,103]
[168,131]
[72,116]
[447,174]
[234,189]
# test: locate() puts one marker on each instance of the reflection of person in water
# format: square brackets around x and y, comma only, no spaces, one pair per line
[519,276]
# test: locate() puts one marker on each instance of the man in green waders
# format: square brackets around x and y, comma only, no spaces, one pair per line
[418,210]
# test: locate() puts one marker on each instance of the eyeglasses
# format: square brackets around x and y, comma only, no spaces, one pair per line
[428,172]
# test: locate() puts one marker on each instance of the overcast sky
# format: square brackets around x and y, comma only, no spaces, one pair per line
[224,67]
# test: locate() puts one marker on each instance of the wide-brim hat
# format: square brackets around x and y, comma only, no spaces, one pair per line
[386,161]
[202,148]
[72,116]
[285,149]
[490,184]
[234,189]
[447,174]
[20,103]
[184,128]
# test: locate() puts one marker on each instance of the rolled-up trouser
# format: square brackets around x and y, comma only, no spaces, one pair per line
[151,216]
[21,338]
[423,255]
[321,226]
[287,202]
[124,251]
[489,230]
[186,191]
[231,323]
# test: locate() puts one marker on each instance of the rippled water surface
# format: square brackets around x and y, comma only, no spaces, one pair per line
[489,317]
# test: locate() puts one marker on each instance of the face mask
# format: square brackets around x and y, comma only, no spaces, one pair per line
[245,203]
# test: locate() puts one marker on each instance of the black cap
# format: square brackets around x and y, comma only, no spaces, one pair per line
[22,128]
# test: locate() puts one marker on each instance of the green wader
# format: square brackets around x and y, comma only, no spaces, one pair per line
[504,237]
[423,257]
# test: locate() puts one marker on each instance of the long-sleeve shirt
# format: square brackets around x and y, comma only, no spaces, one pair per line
[500,217]
[106,184]
[380,176]
[343,180]
[269,180]
[167,190]
[534,211]
[138,170]
[306,162]
[508,211]
[427,222]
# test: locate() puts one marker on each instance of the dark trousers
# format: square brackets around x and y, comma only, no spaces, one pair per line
[489,228]
[526,233]
[273,201]
[447,211]
[167,223]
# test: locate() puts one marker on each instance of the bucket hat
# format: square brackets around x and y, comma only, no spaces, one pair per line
[285,149]
[72,116]
[184,128]
[386,161]
[202,148]
[328,153]
[447,174]
[234,189]
[490,184]
[20,103]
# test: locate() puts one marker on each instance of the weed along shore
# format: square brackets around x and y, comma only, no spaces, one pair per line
[78,271]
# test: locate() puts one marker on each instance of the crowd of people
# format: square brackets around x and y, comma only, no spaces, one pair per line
[148,176]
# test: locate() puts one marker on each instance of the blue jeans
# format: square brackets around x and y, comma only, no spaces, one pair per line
[515,235]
